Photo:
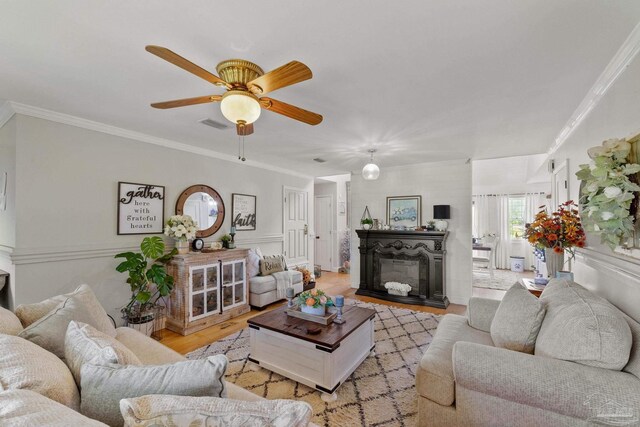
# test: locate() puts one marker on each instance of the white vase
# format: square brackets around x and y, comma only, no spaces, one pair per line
[441,225]
[553,261]
[182,246]
[319,311]
[366,226]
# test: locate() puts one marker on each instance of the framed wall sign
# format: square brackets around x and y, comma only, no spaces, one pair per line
[140,208]
[404,211]
[243,208]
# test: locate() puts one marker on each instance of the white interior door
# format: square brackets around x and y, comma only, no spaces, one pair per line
[323,229]
[296,225]
[560,184]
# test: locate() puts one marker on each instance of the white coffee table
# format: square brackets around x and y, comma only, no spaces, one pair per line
[322,361]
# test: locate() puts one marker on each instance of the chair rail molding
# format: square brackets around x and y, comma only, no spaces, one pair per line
[627,267]
[613,70]
[79,122]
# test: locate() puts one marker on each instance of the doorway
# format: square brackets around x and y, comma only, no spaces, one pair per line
[324,231]
[296,225]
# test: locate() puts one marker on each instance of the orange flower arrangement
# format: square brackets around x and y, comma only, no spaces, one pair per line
[562,230]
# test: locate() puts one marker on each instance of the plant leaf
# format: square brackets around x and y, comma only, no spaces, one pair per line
[152,247]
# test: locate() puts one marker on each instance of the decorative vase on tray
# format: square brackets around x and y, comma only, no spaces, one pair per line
[181,228]
[314,302]
[557,233]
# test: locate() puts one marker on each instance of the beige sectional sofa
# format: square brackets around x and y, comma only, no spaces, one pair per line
[585,368]
[37,388]
[262,289]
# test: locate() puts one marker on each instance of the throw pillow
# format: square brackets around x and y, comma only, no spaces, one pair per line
[103,386]
[517,321]
[30,313]
[160,410]
[49,332]
[24,365]
[584,328]
[253,262]
[9,323]
[26,408]
[83,343]
[272,264]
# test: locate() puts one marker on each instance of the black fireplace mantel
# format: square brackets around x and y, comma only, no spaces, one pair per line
[426,249]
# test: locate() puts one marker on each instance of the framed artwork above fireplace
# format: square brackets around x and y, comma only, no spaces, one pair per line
[404,211]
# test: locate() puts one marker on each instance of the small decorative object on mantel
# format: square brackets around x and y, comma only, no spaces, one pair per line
[148,281]
[397,288]
[140,208]
[243,207]
[431,225]
[556,233]
[232,243]
[366,220]
[608,194]
[181,228]
[197,244]
[225,239]
[404,211]
[440,214]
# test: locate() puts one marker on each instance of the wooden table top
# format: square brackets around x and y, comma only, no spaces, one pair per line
[330,335]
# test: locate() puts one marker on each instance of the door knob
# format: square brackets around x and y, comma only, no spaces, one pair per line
[317,237]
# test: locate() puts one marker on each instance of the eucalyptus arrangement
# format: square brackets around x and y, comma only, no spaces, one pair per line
[607,193]
[148,278]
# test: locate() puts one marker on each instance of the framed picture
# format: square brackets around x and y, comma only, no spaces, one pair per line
[243,208]
[404,211]
[140,208]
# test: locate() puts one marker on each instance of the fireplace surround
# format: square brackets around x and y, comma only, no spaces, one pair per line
[413,257]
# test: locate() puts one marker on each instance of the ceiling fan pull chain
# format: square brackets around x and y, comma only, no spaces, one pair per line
[243,158]
[239,157]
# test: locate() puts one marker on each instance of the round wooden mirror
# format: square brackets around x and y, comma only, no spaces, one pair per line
[204,205]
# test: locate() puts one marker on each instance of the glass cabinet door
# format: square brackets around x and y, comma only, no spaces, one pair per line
[233,284]
[203,291]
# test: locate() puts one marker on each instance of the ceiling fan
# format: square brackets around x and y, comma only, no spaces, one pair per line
[245,83]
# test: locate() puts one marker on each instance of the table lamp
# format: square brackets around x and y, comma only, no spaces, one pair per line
[440,213]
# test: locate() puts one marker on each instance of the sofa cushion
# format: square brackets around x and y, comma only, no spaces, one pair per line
[272,264]
[584,328]
[29,313]
[83,344]
[49,331]
[104,385]
[262,284]
[163,410]
[26,408]
[9,323]
[26,366]
[253,262]
[633,367]
[434,379]
[517,321]
[146,349]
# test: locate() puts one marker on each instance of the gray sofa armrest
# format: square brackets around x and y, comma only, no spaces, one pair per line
[558,386]
[480,312]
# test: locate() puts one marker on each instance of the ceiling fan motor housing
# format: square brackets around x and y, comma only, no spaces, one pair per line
[238,72]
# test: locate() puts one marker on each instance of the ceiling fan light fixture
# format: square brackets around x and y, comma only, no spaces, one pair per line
[371,171]
[240,107]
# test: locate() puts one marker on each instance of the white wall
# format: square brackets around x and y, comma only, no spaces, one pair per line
[8,216]
[510,175]
[67,179]
[443,183]
[615,277]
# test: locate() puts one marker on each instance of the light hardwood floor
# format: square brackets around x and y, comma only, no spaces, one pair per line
[332,283]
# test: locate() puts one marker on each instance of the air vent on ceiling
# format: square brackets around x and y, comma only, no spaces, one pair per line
[213,124]
[319,160]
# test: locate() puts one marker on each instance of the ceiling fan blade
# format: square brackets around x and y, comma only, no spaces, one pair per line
[245,130]
[187,101]
[175,59]
[290,111]
[286,75]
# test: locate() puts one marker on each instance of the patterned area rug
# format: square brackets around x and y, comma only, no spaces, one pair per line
[381,391]
[502,279]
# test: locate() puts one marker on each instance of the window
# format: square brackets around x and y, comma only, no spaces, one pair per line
[516,217]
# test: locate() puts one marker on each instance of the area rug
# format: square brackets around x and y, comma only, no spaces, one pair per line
[502,279]
[381,391]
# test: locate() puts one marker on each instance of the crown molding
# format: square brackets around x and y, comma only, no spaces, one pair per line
[6,112]
[614,69]
[67,119]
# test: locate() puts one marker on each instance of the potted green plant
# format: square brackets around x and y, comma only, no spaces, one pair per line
[148,280]
[367,223]
[225,239]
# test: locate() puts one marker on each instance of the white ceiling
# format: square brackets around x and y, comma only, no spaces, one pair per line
[418,80]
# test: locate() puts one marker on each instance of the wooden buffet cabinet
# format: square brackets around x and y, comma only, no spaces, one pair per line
[210,288]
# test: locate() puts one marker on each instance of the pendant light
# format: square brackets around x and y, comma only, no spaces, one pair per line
[371,171]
